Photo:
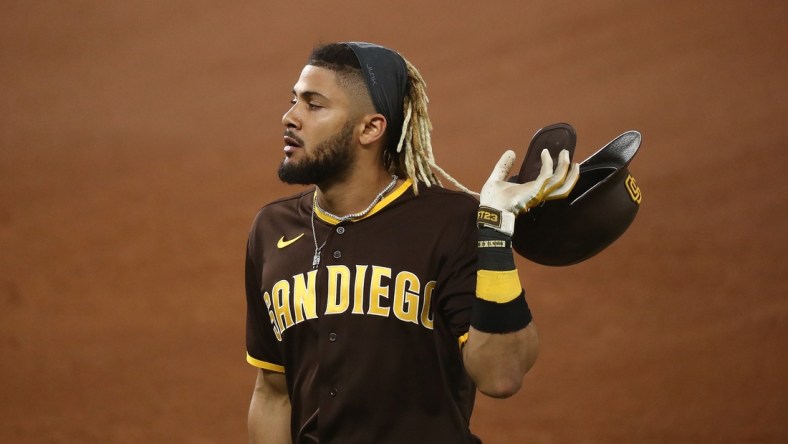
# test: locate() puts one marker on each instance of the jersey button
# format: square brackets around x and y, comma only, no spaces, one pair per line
[337,254]
[332,337]
[340,230]
[333,392]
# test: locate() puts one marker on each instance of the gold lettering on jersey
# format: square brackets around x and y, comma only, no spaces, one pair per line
[406,297]
[338,289]
[358,289]
[376,291]
[426,318]
[280,295]
[304,296]
[274,323]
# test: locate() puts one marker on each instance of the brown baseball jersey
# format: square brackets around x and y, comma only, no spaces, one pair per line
[370,340]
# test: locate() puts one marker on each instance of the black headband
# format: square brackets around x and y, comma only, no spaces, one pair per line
[387,81]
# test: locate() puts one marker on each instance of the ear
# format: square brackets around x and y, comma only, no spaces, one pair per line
[373,130]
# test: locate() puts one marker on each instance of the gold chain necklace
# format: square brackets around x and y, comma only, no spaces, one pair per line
[319,248]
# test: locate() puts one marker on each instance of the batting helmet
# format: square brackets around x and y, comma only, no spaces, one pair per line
[599,209]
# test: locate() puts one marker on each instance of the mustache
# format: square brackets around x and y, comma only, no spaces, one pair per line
[291,134]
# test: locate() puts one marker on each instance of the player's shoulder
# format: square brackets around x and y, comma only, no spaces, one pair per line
[436,203]
[291,204]
[293,199]
[438,195]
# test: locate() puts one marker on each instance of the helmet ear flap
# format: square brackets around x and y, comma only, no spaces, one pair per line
[599,209]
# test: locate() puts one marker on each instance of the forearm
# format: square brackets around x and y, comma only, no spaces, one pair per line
[502,342]
[269,413]
[498,362]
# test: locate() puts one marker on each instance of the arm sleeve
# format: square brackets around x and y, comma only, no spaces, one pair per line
[262,346]
[456,288]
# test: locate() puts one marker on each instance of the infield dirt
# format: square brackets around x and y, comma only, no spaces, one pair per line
[138,140]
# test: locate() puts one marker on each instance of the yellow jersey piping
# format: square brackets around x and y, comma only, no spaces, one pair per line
[399,191]
[264,365]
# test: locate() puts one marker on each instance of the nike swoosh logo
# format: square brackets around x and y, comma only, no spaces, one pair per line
[283,243]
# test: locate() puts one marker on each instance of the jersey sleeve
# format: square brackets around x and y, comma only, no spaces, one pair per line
[262,346]
[456,287]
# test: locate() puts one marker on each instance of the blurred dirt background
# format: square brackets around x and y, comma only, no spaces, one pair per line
[139,138]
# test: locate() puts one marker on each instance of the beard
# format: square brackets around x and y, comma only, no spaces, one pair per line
[330,160]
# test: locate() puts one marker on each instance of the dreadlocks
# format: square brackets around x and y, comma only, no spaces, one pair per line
[413,155]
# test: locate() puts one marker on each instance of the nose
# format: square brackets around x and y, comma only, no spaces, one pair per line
[290,118]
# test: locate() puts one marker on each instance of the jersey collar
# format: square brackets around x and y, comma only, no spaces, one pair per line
[392,196]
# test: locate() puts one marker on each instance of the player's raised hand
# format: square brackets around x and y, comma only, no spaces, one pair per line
[563,180]
[502,201]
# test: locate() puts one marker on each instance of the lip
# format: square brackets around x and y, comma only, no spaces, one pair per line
[291,144]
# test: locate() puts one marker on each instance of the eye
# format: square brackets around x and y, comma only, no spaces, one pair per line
[313,106]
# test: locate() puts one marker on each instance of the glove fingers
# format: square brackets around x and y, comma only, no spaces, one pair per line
[504,165]
[547,167]
[536,186]
[569,183]
[557,179]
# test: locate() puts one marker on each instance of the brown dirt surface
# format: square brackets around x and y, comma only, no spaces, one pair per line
[138,139]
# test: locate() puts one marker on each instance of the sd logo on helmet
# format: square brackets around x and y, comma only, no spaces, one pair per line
[598,211]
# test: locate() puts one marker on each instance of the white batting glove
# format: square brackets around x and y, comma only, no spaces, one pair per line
[501,201]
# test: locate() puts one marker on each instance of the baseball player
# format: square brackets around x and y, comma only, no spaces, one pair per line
[379,301]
